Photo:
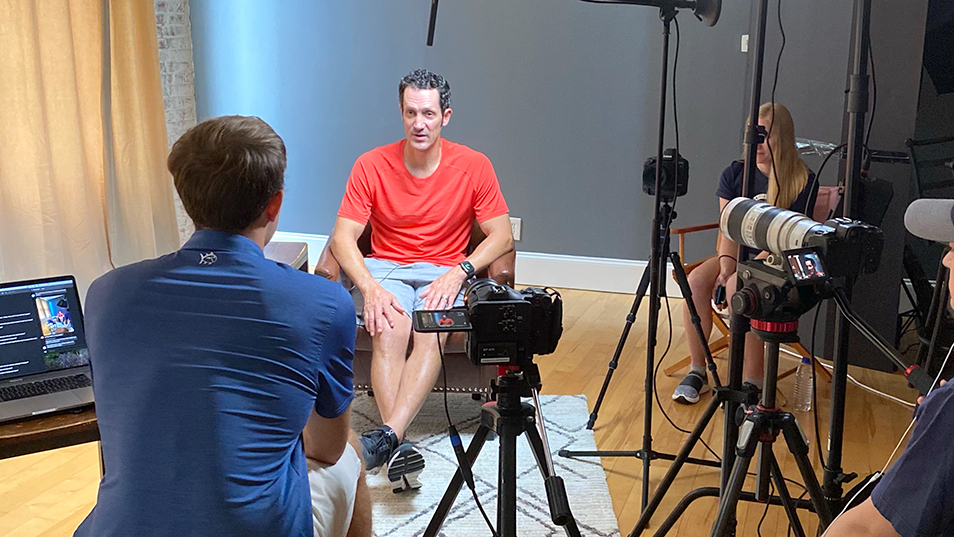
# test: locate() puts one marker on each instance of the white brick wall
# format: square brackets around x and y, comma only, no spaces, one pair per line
[178,87]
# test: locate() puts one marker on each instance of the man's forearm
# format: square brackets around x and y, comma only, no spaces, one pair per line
[324,439]
[350,260]
[490,249]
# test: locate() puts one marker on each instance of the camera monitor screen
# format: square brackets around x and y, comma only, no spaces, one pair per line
[805,264]
[454,320]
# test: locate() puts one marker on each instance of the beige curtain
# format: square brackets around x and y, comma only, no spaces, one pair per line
[83,184]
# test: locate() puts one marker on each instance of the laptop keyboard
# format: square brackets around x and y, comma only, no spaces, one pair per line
[54,385]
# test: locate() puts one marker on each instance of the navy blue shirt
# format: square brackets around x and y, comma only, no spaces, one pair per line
[917,494]
[206,364]
[730,187]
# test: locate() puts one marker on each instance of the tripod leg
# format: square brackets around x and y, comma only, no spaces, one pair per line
[630,319]
[683,281]
[447,501]
[798,445]
[508,428]
[749,433]
[674,469]
[786,498]
[731,497]
[556,492]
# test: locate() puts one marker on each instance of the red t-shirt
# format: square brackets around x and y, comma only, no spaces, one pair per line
[422,220]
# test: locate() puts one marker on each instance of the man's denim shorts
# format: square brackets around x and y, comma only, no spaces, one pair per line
[405,282]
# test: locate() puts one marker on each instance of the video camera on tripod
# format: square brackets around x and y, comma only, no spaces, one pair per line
[505,326]
[808,260]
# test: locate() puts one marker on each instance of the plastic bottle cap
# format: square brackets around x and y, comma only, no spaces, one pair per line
[806,360]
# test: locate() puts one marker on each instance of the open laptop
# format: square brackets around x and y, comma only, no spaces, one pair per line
[44,362]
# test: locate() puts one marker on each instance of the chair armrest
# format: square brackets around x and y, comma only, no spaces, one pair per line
[327,266]
[502,268]
[693,229]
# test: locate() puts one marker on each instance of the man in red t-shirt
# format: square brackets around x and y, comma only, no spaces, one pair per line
[420,196]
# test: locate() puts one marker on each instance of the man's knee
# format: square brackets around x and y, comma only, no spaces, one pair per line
[392,341]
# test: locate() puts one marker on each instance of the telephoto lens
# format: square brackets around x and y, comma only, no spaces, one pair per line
[764,226]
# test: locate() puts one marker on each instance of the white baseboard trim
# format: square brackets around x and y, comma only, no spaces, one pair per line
[553,270]
[587,273]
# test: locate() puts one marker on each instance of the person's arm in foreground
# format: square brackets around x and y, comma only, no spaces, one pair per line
[499,241]
[863,520]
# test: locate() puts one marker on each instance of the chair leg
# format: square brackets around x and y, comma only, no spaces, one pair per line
[677,366]
[714,347]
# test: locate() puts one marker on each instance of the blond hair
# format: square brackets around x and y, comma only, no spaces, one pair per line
[790,171]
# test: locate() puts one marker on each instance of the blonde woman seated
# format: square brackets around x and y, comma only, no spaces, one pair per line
[788,184]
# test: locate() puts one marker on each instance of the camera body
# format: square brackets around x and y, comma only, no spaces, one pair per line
[669,188]
[848,247]
[784,286]
[508,326]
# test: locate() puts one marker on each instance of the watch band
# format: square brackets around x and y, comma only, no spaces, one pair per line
[468,268]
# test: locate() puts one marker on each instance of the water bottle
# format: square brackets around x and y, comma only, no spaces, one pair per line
[803,385]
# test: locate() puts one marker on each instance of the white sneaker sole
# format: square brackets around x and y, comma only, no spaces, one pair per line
[404,468]
[686,400]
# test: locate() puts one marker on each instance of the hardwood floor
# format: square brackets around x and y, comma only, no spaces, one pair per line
[48,494]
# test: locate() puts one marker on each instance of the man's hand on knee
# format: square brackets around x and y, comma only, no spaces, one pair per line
[443,291]
[380,309]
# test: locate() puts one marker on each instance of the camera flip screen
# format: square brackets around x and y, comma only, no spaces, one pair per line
[453,320]
[806,265]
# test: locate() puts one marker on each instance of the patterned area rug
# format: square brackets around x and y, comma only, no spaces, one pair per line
[408,513]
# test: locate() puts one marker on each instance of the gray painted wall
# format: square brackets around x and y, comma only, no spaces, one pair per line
[561,95]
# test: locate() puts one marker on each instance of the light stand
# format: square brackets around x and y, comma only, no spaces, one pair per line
[732,397]
[857,107]
[708,12]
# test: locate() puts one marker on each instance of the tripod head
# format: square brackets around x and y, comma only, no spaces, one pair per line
[514,382]
[774,298]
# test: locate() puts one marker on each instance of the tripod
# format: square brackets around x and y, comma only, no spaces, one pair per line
[510,417]
[761,427]
[647,454]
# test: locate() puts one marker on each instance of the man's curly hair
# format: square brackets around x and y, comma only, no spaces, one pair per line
[423,79]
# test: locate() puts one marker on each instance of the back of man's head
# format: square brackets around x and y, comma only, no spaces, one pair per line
[226,169]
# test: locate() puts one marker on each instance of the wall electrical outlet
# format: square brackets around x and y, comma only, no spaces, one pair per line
[516,227]
[745,42]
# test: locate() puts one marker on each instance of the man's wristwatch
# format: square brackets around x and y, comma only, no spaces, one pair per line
[468,268]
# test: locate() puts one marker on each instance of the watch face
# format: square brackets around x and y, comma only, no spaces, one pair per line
[468,267]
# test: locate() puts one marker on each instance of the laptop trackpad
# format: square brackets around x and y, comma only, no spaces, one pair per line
[54,401]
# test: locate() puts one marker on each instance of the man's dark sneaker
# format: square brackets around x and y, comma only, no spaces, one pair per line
[404,467]
[376,446]
[688,391]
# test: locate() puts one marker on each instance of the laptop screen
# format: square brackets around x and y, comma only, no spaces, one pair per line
[41,327]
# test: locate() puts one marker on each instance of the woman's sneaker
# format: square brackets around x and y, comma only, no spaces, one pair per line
[377,445]
[404,468]
[691,387]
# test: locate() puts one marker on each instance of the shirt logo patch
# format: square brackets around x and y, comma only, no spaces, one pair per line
[208,259]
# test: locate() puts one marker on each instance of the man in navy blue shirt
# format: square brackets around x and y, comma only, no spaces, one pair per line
[223,380]
[915,498]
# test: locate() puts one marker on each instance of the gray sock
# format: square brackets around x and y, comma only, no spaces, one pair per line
[755,382]
[699,370]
